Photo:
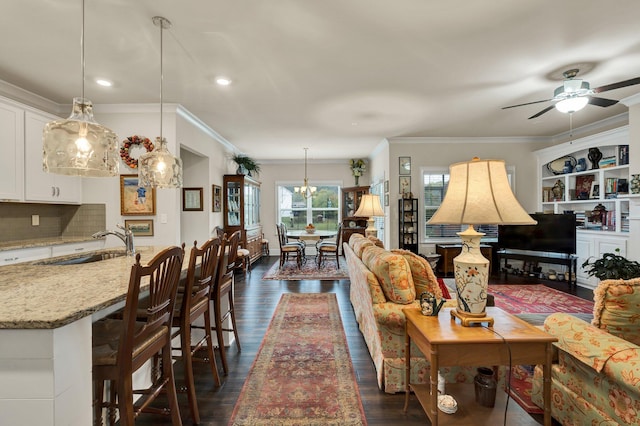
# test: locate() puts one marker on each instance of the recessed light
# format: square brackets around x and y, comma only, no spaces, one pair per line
[223,81]
[103,82]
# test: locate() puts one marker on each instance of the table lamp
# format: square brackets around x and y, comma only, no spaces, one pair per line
[370,207]
[478,193]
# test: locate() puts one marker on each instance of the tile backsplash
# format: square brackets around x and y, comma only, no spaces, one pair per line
[56,220]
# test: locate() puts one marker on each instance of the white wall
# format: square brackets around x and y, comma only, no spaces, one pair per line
[316,172]
[439,152]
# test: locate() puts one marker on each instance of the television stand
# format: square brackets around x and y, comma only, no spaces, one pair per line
[570,260]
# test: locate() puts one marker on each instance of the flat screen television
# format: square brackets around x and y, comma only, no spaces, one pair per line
[553,233]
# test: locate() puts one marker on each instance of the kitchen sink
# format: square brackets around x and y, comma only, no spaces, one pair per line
[82,258]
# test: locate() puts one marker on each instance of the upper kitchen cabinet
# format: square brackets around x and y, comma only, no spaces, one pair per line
[12,158]
[41,186]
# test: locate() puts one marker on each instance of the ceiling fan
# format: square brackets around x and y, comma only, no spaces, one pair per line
[575,94]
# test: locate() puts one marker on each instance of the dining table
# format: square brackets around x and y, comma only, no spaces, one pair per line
[310,239]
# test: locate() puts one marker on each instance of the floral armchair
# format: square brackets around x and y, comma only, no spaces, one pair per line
[596,377]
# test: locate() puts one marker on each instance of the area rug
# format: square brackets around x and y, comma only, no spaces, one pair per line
[302,374]
[309,271]
[533,303]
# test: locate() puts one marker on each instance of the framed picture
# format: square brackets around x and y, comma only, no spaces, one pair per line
[140,227]
[192,199]
[583,186]
[136,200]
[405,184]
[216,198]
[386,186]
[386,199]
[405,165]
[595,191]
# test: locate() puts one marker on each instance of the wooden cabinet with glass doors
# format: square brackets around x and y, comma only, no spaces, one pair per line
[242,212]
[351,197]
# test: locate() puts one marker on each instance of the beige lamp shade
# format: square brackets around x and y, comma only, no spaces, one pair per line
[479,193]
[370,207]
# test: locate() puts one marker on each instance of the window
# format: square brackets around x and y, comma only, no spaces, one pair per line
[435,183]
[296,212]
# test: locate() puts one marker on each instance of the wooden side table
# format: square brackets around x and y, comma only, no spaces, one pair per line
[447,343]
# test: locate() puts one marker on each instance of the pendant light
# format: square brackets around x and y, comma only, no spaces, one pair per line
[158,168]
[305,190]
[78,145]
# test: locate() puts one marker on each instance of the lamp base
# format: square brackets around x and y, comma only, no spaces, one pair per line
[371,230]
[467,319]
[471,275]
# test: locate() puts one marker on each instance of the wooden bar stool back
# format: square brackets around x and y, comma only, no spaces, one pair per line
[122,346]
[192,304]
[224,288]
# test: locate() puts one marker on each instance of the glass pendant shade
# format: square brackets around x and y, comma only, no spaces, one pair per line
[79,146]
[160,169]
[572,104]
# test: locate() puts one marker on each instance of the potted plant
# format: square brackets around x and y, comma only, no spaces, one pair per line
[245,164]
[612,266]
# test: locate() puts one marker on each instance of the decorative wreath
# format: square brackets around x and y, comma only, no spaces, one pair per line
[125,149]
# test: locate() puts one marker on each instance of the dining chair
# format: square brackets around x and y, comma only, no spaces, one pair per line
[224,286]
[300,243]
[122,346]
[192,304]
[328,247]
[288,249]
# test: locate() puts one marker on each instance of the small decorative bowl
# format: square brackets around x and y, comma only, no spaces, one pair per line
[310,230]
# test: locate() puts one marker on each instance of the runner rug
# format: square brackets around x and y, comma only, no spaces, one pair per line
[533,303]
[309,271]
[302,374]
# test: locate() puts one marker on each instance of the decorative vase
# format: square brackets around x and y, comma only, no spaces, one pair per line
[582,165]
[634,185]
[357,177]
[485,386]
[568,168]
[241,170]
[594,156]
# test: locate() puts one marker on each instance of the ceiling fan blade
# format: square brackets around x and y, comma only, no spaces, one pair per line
[601,102]
[528,103]
[547,109]
[617,85]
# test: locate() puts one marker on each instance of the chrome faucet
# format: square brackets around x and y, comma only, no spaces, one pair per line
[126,237]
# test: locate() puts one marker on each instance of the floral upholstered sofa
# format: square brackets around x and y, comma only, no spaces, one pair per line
[382,284]
[596,378]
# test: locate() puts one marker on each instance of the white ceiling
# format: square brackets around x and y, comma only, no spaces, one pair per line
[336,76]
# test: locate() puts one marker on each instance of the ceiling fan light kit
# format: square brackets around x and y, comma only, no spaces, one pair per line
[575,94]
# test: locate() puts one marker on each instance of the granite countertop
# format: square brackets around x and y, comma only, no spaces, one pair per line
[43,296]
[41,242]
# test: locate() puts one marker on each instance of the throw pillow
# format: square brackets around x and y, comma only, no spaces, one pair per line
[353,238]
[360,244]
[617,308]
[393,274]
[423,277]
[378,242]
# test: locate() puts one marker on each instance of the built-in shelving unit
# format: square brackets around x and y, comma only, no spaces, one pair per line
[598,196]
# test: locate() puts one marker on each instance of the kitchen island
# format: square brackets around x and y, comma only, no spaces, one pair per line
[46,313]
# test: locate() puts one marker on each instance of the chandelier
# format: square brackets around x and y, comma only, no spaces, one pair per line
[305,190]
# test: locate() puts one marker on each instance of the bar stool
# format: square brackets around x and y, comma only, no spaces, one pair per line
[192,303]
[122,346]
[224,286]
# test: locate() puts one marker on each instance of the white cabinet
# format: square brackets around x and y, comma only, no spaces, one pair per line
[9,257]
[592,245]
[12,158]
[41,186]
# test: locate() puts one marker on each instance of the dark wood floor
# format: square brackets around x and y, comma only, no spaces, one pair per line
[255,303]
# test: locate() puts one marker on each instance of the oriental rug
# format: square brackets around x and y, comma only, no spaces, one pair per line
[309,271]
[533,303]
[302,374]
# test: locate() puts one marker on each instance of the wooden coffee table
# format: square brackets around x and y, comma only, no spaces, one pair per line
[445,342]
